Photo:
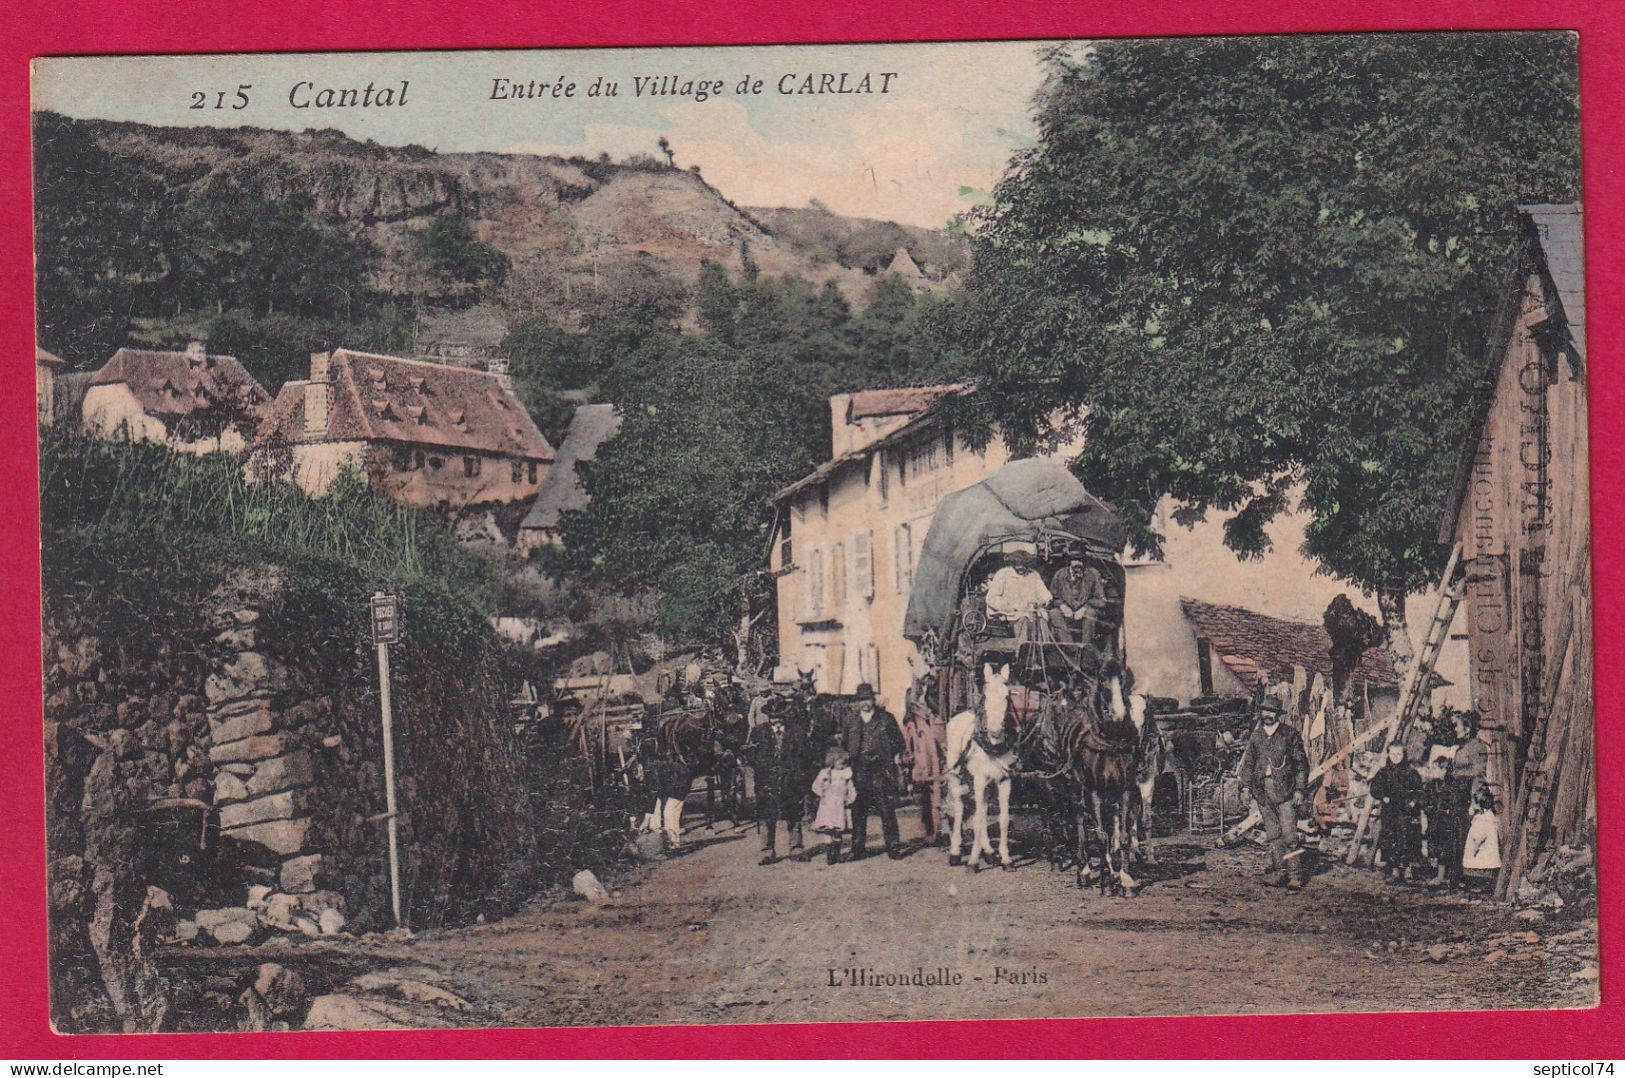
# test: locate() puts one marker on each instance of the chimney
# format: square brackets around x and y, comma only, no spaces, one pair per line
[498,365]
[317,392]
[196,356]
[840,424]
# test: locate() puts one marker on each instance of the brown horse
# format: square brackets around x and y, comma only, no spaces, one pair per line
[1102,748]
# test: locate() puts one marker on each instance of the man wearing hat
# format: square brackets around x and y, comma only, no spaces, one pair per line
[874,743]
[1275,774]
[1016,594]
[778,756]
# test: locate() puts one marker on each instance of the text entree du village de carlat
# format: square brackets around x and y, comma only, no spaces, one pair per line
[308,93]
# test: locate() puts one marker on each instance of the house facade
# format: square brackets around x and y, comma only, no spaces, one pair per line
[563,490]
[191,401]
[1520,511]
[428,435]
[847,536]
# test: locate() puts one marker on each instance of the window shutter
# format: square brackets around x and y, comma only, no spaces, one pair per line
[903,559]
[837,575]
[863,563]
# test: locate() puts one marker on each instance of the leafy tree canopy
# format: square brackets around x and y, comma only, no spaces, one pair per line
[1251,266]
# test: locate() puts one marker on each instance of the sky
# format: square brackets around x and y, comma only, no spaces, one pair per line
[951,117]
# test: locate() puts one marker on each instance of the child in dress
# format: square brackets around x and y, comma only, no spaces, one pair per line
[1482,856]
[835,792]
[1397,789]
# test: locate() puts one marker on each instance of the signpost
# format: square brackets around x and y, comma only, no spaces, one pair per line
[386,630]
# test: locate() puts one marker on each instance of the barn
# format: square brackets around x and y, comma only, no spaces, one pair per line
[1520,512]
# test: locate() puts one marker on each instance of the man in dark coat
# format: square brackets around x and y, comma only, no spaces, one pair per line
[1080,602]
[874,742]
[1275,774]
[778,756]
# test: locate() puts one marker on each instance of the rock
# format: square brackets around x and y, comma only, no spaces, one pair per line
[1531,915]
[409,989]
[332,741]
[585,884]
[300,875]
[1439,952]
[252,748]
[282,773]
[1494,957]
[1586,973]
[281,836]
[241,770]
[279,910]
[209,920]
[235,932]
[185,930]
[248,724]
[340,1010]
[330,922]
[1526,937]
[228,788]
[250,673]
[306,925]
[282,806]
[257,894]
[282,989]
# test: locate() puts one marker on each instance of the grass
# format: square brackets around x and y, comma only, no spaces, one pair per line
[155,528]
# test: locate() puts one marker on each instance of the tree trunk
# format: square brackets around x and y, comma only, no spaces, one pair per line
[1391,604]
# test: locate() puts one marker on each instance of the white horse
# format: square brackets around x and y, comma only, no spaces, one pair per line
[980,748]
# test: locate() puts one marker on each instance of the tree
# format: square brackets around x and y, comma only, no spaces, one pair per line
[97,240]
[665,147]
[451,248]
[1263,269]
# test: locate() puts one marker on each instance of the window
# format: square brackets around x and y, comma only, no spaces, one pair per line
[863,564]
[903,558]
[531,471]
[815,584]
[471,467]
[882,478]
[418,460]
[437,463]
[837,575]
[823,500]
[518,470]
[922,458]
[786,553]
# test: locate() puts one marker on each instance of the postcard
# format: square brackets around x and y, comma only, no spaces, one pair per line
[829,533]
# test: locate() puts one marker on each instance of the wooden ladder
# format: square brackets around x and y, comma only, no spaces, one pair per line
[1415,690]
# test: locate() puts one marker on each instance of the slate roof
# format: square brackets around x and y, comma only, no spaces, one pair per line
[376,398]
[1258,648]
[590,427]
[174,384]
[1562,249]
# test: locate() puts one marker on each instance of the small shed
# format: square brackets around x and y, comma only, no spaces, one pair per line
[1520,509]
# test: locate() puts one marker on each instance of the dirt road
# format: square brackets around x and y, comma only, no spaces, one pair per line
[711,936]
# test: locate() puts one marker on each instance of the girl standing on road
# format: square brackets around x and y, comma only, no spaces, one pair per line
[835,792]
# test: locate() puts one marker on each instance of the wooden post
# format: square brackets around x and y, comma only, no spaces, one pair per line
[385,631]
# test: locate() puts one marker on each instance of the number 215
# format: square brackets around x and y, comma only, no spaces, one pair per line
[200,98]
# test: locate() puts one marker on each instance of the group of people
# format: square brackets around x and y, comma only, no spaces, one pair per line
[869,758]
[1070,609]
[1442,811]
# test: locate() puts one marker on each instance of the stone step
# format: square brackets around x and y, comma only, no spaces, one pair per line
[253,748]
[249,723]
[282,806]
[297,768]
[286,837]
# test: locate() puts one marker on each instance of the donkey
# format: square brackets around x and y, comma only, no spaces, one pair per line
[981,749]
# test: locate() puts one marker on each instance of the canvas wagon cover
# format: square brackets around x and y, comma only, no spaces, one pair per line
[1016,500]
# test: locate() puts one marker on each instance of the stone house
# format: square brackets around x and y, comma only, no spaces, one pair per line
[428,435]
[191,401]
[563,490]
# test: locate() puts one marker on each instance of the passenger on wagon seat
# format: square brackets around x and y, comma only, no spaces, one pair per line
[1017,594]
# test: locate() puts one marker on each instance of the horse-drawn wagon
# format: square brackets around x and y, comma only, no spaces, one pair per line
[1017,612]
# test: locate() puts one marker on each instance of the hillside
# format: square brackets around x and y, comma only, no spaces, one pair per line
[575,232]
